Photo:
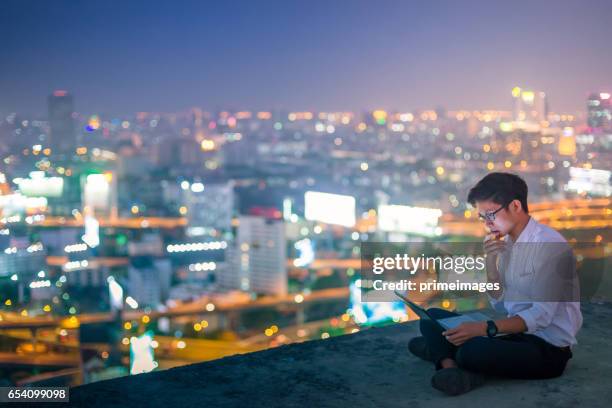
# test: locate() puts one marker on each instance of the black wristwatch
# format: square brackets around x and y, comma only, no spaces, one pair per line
[491,328]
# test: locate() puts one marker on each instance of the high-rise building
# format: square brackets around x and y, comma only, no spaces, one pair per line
[61,121]
[529,106]
[260,257]
[83,274]
[209,206]
[149,280]
[599,111]
[23,264]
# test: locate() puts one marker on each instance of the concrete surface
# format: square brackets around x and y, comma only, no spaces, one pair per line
[372,368]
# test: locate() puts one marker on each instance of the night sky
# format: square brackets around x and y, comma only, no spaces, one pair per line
[128,56]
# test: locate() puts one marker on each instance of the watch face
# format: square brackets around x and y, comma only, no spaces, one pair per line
[491,329]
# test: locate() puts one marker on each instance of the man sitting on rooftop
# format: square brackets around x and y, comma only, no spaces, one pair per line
[534,266]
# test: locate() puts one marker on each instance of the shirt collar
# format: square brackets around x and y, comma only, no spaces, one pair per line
[528,231]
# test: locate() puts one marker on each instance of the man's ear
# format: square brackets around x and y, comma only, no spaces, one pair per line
[516,206]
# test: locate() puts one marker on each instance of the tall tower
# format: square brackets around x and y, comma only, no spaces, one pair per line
[599,111]
[61,108]
[260,257]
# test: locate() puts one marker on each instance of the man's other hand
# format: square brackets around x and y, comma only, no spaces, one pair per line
[465,331]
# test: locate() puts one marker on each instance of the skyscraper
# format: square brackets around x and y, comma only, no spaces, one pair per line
[529,106]
[149,280]
[599,111]
[61,109]
[209,207]
[260,257]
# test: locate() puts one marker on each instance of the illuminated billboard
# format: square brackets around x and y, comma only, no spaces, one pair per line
[407,219]
[98,194]
[14,204]
[306,253]
[40,186]
[330,208]
[367,313]
[592,181]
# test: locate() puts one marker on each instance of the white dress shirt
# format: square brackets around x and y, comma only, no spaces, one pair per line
[534,271]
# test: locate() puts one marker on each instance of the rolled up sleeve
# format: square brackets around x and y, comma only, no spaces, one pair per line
[539,316]
[497,304]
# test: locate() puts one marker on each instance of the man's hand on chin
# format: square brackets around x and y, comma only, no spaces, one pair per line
[465,331]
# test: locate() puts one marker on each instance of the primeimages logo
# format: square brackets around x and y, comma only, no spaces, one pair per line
[428,286]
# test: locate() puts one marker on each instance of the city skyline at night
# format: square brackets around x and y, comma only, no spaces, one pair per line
[183,182]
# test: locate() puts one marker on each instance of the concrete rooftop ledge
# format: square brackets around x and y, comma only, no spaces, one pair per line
[372,368]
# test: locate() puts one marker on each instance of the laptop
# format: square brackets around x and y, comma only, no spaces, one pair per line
[447,322]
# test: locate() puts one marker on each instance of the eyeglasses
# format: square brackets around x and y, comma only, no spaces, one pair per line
[490,215]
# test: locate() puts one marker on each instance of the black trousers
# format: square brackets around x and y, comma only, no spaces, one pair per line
[514,355]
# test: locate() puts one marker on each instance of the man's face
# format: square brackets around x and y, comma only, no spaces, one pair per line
[503,219]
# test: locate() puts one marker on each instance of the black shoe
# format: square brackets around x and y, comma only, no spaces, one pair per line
[455,381]
[418,347]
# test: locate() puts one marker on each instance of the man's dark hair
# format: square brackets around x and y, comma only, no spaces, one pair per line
[501,188]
